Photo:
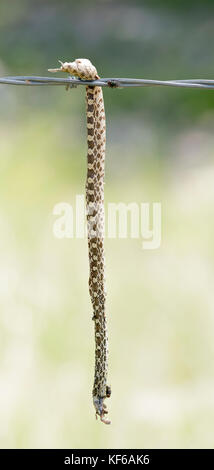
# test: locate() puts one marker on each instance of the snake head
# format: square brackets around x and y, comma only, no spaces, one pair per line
[81,68]
[100,409]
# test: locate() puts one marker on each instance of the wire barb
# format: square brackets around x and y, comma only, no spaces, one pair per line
[72,82]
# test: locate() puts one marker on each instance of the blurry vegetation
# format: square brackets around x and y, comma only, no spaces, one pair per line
[160,305]
[134,39]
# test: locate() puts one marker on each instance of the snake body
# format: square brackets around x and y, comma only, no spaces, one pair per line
[96,140]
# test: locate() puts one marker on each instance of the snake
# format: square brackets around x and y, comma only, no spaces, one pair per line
[96,142]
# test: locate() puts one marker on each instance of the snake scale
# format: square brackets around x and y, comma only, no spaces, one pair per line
[96,139]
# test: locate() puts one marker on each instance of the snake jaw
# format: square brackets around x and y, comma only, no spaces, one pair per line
[59,69]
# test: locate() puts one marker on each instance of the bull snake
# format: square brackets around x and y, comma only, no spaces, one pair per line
[96,139]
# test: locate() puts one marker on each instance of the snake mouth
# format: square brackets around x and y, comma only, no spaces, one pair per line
[69,67]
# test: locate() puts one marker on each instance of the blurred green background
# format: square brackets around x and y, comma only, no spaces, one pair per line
[160,305]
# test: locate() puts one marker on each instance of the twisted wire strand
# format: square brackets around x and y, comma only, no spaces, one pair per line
[71,82]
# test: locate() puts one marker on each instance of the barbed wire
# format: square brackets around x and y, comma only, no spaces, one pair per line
[72,82]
